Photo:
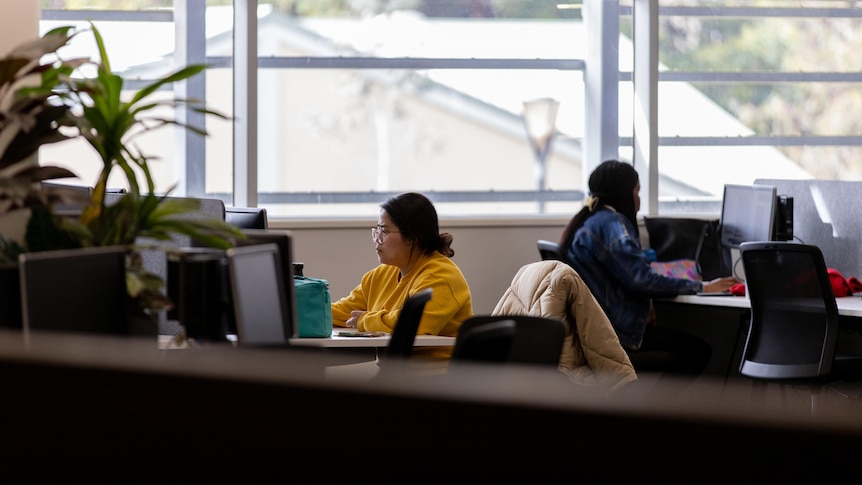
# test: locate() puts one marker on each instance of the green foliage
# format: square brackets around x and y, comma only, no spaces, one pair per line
[37,100]
[110,124]
[9,251]
[31,115]
[45,232]
[144,286]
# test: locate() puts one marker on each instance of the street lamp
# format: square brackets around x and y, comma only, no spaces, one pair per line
[540,118]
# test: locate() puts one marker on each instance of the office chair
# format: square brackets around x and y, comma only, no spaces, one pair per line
[518,339]
[404,333]
[549,250]
[794,324]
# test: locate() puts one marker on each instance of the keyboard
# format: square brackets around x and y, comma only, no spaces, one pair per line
[715,293]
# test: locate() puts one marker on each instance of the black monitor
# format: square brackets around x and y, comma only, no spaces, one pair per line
[747,214]
[75,290]
[259,296]
[73,198]
[246,217]
[283,240]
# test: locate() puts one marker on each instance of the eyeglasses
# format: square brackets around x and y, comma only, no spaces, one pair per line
[380,233]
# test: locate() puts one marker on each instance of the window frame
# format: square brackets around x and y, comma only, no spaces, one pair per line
[602,81]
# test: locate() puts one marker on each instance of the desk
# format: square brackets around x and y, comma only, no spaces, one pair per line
[848,306]
[337,341]
[364,349]
[349,350]
[722,321]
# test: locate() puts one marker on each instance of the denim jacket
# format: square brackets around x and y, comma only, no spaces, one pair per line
[607,254]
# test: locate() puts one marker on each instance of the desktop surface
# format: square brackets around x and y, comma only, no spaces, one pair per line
[848,306]
[337,340]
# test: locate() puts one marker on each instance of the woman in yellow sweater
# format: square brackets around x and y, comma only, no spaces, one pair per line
[413,256]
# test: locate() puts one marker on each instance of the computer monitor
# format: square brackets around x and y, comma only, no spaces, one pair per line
[246,217]
[75,290]
[747,214]
[283,240]
[259,297]
[72,198]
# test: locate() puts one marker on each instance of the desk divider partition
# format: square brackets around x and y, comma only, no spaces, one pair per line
[825,214]
[155,261]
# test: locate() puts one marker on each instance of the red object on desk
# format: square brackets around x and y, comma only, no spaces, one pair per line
[842,286]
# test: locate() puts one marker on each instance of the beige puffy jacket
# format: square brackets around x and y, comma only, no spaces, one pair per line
[592,354]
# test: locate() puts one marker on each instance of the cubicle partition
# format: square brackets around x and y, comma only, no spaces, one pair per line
[156,260]
[826,214]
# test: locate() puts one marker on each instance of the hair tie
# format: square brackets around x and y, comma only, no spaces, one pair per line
[591,202]
[445,241]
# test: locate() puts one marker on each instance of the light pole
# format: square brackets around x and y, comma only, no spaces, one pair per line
[540,117]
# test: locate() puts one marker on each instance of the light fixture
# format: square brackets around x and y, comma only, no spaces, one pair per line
[540,118]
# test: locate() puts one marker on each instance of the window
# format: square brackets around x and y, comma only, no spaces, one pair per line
[775,83]
[355,104]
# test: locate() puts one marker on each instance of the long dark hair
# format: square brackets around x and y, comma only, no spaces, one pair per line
[611,184]
[416,218]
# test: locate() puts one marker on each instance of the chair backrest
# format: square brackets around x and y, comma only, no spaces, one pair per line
[549,250]
[519,339]
[794,316]
[404,333]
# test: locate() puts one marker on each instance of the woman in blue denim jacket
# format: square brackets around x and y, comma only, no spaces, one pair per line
[602,244]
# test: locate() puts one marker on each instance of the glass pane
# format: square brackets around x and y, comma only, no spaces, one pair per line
[780,70]
[397,130]
[388,130]
[136,60]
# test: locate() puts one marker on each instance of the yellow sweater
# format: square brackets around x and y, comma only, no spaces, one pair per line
[381,293]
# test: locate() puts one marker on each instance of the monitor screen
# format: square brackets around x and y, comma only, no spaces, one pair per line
[747,214]
[77,290]
[283,240]
[258,294]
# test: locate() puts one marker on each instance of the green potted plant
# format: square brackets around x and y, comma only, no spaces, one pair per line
[97,110]
[31,115]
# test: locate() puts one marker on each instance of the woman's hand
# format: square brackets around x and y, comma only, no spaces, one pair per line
[353,321]
[720,284]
